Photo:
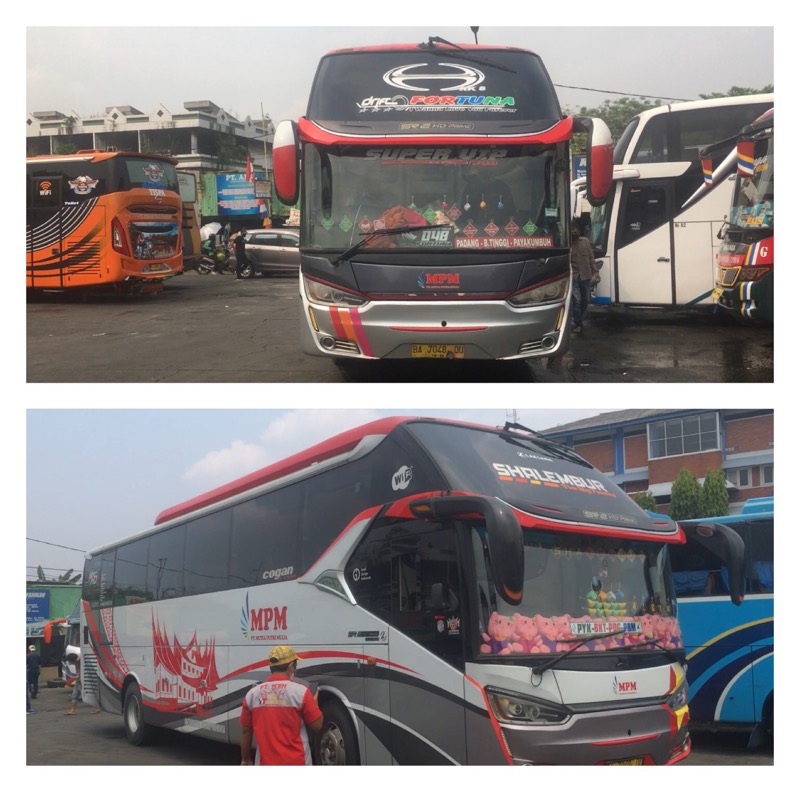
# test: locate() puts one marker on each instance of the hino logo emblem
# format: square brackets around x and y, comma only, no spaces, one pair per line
[458,77]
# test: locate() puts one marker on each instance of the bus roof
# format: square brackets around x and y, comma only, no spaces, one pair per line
[699,104]
[98,155]
[753,509]
[332,447]
[426,47]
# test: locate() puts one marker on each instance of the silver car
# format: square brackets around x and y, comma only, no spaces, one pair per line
[271,250]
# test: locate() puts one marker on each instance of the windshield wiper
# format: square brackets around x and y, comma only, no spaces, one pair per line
[555,448]
[350,252]
[579,642]
[462,53]
[657,643]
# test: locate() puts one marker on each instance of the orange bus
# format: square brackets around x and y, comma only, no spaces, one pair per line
[187,182]
[102,219]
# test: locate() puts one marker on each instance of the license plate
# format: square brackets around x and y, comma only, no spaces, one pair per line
[449,351]
[637,761]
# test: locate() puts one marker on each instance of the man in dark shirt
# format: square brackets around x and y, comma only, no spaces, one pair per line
[34,663]
[241,256]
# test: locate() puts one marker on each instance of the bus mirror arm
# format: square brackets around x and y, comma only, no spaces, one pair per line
[503,530]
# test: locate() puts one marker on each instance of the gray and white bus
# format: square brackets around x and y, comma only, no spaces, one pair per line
[433,181]
[459,594]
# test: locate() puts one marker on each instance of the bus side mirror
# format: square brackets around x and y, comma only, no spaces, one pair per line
[728,546]
[599,158]
[286,162]
[503,530]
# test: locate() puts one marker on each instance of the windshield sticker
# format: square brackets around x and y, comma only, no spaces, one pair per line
[458,86]
[402,478]
[539,634]
[549,478]
[82,185]
[154,175]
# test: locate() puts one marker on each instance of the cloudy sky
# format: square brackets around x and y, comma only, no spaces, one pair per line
[245,65]
[94,476]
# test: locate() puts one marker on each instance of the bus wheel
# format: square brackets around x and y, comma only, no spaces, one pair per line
[336,743]
[136,730]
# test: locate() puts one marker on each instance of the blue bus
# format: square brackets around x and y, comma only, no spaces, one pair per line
[730,649]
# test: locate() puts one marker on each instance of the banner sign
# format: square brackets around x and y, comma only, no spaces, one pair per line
[38,602]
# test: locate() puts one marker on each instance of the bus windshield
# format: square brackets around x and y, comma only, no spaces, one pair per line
[587,593]
[480,197]
[457,90]
[753,202]
[542,478]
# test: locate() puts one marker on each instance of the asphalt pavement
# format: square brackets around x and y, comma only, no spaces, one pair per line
[216,329]
[89,738]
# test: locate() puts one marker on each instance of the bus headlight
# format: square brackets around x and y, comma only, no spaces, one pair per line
[554,291]
[680,698]
[520,710]
[324,294]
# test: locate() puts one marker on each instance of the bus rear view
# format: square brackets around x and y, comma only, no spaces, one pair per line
[434,194]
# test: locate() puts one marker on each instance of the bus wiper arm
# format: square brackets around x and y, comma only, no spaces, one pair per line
[350,252]
[579,642]
[554,447]
[462,53]
[657,643]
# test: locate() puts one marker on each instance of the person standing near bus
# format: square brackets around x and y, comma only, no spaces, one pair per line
[34,667]
[241,256]
[584,274]
[275,712]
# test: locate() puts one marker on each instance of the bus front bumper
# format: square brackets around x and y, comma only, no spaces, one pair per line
[472,330]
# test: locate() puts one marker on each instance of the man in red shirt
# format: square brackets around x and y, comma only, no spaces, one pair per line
[275,712]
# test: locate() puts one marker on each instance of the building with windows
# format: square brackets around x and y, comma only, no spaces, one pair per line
[643,450]
[202,137]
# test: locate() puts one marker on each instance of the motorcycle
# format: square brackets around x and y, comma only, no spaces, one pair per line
[215,260]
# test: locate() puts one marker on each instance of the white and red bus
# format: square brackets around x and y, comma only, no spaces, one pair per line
[433,181]
[746,257]
[460,594]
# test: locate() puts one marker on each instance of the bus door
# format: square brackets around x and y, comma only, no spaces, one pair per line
[45,222]
[644,249]
[409,576]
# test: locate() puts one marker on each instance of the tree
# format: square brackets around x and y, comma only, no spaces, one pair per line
[228,153]
[687,497]
[715,494]
[645,500]
[618,112]
[67,577]
[737,91]
[65,148]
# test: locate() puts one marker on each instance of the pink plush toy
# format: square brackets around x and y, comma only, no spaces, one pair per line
[526,635]
[498,638]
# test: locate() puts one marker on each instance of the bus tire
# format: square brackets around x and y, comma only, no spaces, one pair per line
[336,743]
[136,730]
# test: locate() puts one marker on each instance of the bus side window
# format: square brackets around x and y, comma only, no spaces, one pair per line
[763,573]
[645,210]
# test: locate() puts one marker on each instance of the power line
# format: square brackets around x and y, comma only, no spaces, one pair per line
[620,93]
[53,544]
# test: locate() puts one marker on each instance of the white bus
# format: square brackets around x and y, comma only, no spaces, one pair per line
[460,594]
[657,247]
